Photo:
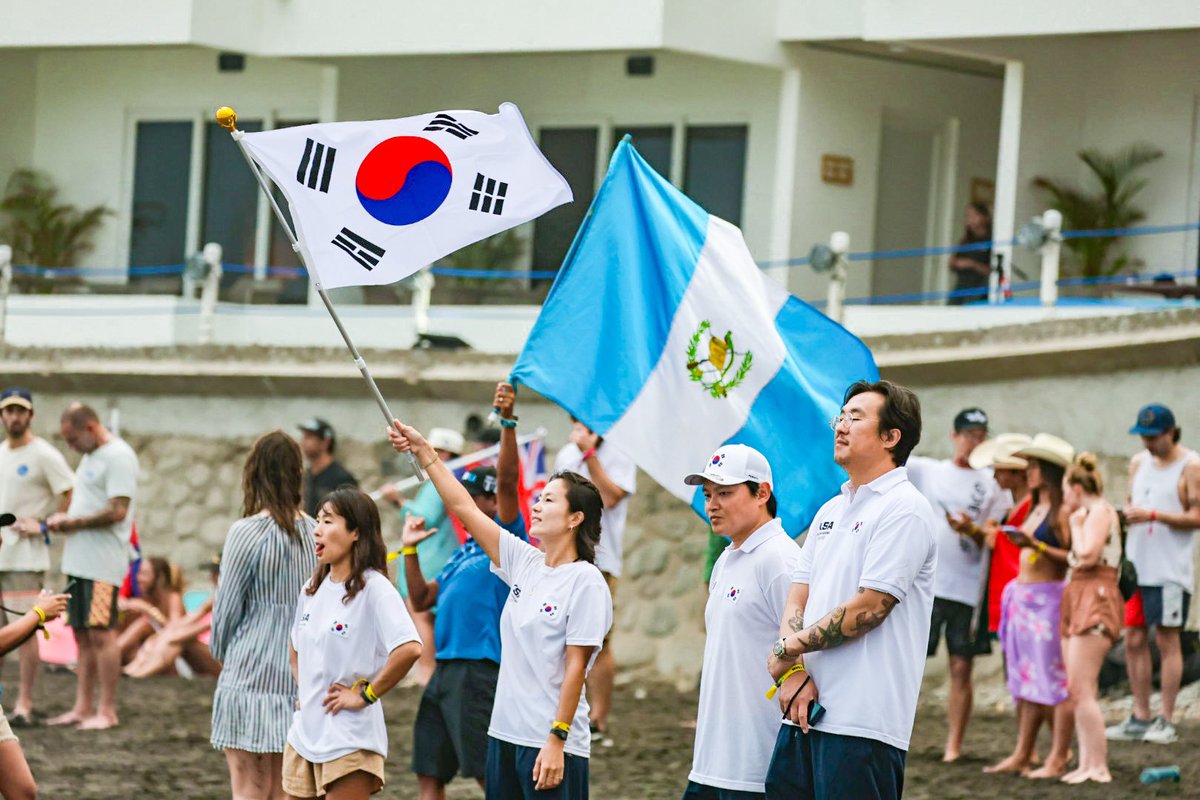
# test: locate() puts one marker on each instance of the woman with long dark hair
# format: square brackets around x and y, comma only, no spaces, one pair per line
[973,268]
[1030,613]
[554,621]
[352,641]
[267,557]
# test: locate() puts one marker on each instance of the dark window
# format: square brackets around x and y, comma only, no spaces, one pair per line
[573,153]
[162,166]
[280,252]
[654,145]
[230,210]
[715,169]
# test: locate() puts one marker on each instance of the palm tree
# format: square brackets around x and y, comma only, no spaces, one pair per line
[1111,207]
[41,231]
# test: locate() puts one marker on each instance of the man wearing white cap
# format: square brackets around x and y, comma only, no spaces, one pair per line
[737,724]
[434,552]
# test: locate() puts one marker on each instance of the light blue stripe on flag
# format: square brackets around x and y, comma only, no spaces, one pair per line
[608,314]
[789,421]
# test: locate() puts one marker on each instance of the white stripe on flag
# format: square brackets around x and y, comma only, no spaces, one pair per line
[675,423]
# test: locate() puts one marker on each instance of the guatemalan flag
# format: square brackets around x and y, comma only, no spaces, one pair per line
[662,335]
[373,202]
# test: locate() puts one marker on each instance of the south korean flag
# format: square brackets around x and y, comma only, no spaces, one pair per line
[373,202]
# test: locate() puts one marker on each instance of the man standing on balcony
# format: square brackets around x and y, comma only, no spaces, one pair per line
[963,499]
[1163,514]
[96,558]
[323,474]
[35,481]
[615,475]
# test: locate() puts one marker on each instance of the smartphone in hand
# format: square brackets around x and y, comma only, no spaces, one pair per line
[815,712]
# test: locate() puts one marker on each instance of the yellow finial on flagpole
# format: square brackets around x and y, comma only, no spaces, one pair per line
[227,118]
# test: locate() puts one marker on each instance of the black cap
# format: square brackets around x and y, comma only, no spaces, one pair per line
[480,481]
[16,396]
[970,418]
[318,426]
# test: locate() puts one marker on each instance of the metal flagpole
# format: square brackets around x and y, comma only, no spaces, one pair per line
[227,119]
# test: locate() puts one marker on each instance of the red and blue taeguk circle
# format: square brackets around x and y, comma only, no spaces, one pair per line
[403,180]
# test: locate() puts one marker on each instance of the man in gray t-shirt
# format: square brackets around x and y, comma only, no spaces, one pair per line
[98,526]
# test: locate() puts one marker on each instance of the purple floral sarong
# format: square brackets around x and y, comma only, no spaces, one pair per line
[1029,623]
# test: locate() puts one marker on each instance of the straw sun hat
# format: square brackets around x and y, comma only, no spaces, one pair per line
[998,452]
[1047,447]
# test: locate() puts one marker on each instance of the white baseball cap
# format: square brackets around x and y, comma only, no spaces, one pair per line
[448,440]
[732,464]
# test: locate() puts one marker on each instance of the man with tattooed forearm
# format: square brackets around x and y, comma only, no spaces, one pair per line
[851,652]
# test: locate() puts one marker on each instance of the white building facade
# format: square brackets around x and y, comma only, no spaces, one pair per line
[793,119]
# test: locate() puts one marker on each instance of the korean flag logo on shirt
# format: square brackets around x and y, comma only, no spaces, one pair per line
[548,609]
[373,202]
[340,629]
[732,594]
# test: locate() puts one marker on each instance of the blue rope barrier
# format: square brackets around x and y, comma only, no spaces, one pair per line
[549,274]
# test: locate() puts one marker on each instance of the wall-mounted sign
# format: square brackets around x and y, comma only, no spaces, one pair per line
[837,170]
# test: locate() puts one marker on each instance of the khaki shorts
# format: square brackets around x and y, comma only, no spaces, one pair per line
[19,591]
[6,734]
[611,580]
[302,778]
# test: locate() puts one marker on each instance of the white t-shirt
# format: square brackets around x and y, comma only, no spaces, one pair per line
[338,642]
[879,537]
[737,725]
[547,609]
[102,553]
[623,472]
[1162,555]
[32,479]
[957,489]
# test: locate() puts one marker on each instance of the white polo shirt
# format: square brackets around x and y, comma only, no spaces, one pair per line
[956,489]
[879,537]
[737,725]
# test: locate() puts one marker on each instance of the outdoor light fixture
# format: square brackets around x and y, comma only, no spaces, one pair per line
[1035,233]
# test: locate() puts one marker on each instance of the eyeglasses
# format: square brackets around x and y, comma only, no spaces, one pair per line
[836,422]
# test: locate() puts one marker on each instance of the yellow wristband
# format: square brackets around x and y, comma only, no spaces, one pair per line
[1041,547]
[792,671]
[562,726]
[408,551]
[41,614]
[369,693]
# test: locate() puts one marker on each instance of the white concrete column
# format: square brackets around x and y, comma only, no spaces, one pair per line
[1007,163]
[784,190]
[213,256]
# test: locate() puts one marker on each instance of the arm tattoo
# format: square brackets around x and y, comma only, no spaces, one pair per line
[828,635]
[832,631]
[870,620]
[796,622]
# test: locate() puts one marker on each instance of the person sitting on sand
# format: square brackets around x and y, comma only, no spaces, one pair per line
[182,638]
[159,603]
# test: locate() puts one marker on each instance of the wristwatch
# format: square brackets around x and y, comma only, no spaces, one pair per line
[780,648]
[559,732]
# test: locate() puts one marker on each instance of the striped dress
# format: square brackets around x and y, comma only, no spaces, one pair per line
[262,572]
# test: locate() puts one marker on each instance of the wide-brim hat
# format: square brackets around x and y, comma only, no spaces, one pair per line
[1048,447]
[998,452]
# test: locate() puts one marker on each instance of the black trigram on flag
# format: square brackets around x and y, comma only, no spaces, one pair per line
[488,195]
[362,251]
[316,166]
[447,123]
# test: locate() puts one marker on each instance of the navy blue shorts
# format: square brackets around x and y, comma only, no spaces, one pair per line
[700,791]
[510,774]
[833,767]
[1165,606]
